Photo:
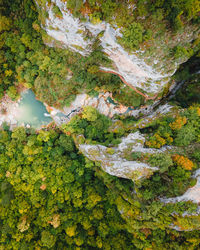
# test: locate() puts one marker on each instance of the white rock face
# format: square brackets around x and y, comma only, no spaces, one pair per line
[192,194]
[135,141]
[113,161]
[150,115]
[113,164]
[100,103]
[8,112]
[67,30]
[71,32]
[134,70]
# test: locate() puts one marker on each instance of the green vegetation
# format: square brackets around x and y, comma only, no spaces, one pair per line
[134,35]
[139,18]
[181,130]
[175,166]
[93,126]
[57,11]
[175,12]
[180,52]
[189,94]
[25,60]
[52,196]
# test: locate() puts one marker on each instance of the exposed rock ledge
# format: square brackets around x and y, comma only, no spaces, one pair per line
[112,159]
[113,164]
[192,194]
[8,111]
[71,32]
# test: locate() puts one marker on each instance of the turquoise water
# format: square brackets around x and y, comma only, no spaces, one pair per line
[32,111]
[110,100]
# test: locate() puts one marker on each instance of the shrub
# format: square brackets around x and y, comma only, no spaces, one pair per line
[12,92]
[56,11]
[181,52]
[90,113]
[178,123]
[163,161]
[183,162]
[156,141]
[48,240]
[133,35]
[185,135]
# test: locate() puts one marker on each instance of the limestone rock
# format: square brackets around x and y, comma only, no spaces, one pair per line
[112,163]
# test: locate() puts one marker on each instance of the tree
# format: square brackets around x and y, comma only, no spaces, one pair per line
[133,35]
[5,23]
[89,113]
[47,239]
[67,143]
[163,161]
[183,162]
[185,136]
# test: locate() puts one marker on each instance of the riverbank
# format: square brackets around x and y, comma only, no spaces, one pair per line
[26,111]
[8,111]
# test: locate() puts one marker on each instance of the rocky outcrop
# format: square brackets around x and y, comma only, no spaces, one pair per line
[134,142]
[114,162]
[101,102]
[192,194]
[8,111]
[79,36]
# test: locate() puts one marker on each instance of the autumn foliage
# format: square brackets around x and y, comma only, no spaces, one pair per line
[183,162]
[156,141]
[198,111]
[178,123]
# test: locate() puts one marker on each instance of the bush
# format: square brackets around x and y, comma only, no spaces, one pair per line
[181,52]
[136,155]
[12,92]
[133,35]
[48,240]
[196,155]
[56,11]
[163,161]
[183,162]
[185,136]
[90,113]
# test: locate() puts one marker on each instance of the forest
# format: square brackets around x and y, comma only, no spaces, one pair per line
[51,195]
[25,60]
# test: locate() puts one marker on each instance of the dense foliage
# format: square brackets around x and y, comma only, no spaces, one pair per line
[136,17]
[52,196]
[188,74]
[56,75]
[176,12]
[94,127]
[181,131]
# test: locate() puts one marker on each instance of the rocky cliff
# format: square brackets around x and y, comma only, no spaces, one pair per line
[149,68]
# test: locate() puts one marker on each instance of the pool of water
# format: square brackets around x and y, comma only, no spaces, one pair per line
[32,111]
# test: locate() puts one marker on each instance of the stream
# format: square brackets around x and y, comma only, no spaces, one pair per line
[29,112]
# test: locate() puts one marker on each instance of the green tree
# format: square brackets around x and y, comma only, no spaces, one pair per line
[47,239]
[89,113]
[163,161]
[133,35]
